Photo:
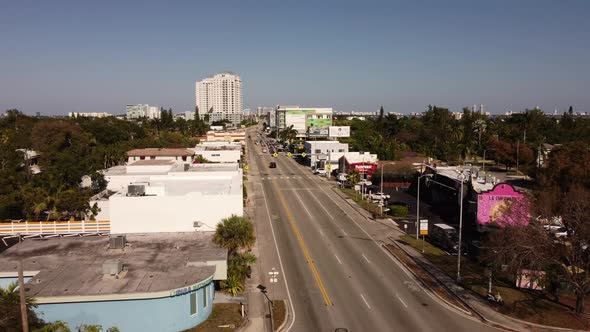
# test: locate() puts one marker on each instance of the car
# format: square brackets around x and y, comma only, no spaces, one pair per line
[560,232]
[264,150]
[272,164]
[365,182]
[380,196]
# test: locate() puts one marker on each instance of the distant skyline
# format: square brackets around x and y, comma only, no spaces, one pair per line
[77,56]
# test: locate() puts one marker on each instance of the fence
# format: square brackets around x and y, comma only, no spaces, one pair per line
[55,227]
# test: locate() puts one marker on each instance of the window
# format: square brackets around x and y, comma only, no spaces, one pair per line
[205,296]
[340,150]
[134,158]
[142,158]
[183,158]
[193,303]
[152,157]
[318,151]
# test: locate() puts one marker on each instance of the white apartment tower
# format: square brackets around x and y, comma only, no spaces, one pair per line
[219,97]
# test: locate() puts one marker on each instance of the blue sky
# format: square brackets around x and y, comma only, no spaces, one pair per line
[62,56]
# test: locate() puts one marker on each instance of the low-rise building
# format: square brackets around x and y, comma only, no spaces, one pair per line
[152,196]
[225,136]
[363,162]
[156,282]
[321,153]
[89,114]
[219,152]
[177,155]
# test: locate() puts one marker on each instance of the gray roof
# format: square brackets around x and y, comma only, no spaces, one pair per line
[154,263]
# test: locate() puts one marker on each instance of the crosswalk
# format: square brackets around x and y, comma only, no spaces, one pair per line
[292,177]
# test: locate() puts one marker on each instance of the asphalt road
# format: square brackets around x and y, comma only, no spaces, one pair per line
[330,268]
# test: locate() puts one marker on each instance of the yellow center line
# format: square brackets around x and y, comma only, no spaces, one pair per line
[310,262]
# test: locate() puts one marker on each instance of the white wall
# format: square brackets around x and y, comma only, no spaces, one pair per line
[220,156]
[153,214]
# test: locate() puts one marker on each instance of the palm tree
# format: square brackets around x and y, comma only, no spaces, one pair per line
[10,306]
[234,233]
[233,285]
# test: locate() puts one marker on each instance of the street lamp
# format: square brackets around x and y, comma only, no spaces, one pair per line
[462,179]
[418,204]
[263,291]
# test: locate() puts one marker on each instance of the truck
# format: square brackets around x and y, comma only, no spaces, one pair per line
[445,237]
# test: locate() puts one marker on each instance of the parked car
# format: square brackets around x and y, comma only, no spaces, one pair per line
[379,196]
[272,164]
[365,182]
[342,177]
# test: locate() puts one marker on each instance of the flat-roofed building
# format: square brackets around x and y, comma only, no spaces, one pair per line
[151,196]
[156,282]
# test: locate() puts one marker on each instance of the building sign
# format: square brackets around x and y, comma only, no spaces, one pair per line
[339,131]
[423,226]
[502,206]
[188,289]
[363,168]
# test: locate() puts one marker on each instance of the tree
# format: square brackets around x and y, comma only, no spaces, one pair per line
[234,233]
[233,285]
[563,194]
[60,326]
[10,316]
[353,176]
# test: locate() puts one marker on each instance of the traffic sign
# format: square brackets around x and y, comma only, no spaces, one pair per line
[289,154]
[275,154]
[303,154]
[246,167]
[329,166]
[423,226]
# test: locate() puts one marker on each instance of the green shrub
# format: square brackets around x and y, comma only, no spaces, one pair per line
[398,210]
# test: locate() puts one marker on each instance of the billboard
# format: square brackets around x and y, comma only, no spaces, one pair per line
[339,131]
[502,206]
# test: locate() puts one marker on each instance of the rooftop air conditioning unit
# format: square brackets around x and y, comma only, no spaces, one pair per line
[112,267]
[197,224]
[136,190]
[118,242]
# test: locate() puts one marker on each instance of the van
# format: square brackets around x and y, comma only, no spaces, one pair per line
[444,237]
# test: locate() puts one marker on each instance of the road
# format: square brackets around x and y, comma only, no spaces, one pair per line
[330,268]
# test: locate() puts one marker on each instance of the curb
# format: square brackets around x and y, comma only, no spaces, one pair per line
[426,286]
[280,328]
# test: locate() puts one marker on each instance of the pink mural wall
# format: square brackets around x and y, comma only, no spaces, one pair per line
[502,206]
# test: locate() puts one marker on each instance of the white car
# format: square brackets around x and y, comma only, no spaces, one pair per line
[380,196]
[560,232]
[365,182]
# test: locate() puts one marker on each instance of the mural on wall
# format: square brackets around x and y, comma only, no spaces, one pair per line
[502,206]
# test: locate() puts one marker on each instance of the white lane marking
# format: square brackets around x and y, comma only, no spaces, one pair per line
[280,261]
[302,204]
[365,257]
[367,303]
[342,230]
[339,261]
[321,233]
[322,205]
[402,301]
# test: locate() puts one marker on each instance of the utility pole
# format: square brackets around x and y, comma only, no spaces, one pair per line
[462,178]
[23,303]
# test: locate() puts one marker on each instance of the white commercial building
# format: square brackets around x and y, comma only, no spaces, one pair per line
[142,111]
[219,152]
[321,153]
[219,97]
[156,196]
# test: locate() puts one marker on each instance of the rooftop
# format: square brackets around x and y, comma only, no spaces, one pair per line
[152,263]
[160,152]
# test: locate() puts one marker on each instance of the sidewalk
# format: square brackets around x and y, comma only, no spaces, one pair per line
[477,305]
